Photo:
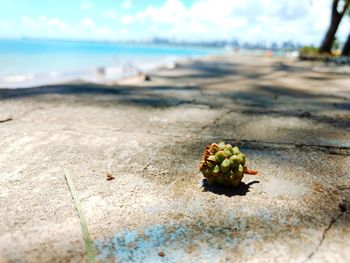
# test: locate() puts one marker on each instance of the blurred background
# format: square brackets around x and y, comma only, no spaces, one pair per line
[53,41]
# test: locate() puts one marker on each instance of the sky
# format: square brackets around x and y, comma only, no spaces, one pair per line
[302,21]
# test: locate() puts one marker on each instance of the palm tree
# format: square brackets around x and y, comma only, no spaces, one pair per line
[337,14]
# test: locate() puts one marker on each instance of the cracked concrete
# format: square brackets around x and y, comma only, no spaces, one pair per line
[290,117]
[333,221]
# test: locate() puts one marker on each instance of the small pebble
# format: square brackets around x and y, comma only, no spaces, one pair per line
[109,176]
[161,254]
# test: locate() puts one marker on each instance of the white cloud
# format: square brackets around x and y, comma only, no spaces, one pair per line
[42,18]
[44,26]
[55,22]
[91,29]
[111,14]
[88,22]
[251,20]
[7,28]
[31,24]
[127,19]
[127,4]
[86,6]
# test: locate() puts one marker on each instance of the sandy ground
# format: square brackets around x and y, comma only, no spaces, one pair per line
[291,118]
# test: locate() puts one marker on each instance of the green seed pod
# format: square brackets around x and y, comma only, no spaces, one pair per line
[211,159]
[228,147]
[234,160]
[220,179]
[236,180]
[243,156]
[240,158]
[206,172]
[227,174]
[221,163]
[222,145]
[216,170]
[240,169]
[210,164]
[220,156]
[202,165]
[237,176]
[225,165]
[214,148]
[228,153]
[236,150]
[211,180]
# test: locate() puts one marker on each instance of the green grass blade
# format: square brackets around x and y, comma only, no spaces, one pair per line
[88,244]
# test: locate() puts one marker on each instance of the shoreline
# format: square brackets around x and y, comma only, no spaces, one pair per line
[98,75]
[26,64]
[106,75]
[113,74]
[130,73]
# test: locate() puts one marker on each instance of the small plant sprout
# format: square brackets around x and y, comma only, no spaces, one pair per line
[223,164]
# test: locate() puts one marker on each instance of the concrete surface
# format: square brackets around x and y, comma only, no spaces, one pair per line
[291,118]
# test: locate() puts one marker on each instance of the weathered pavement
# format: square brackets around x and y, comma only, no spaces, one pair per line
[291,118]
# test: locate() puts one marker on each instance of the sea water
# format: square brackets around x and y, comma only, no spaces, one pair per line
[29,62]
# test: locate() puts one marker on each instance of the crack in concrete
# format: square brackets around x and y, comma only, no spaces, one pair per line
[343,187]
[24,114]
[6,120]
[324,234]
[145,168]
[216,119]
[331,149]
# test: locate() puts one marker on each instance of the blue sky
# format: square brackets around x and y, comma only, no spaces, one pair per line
[303,21]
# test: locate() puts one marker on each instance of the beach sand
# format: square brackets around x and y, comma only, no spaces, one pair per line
[291,118]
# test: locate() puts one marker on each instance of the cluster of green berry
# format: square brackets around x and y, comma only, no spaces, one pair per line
[221,163]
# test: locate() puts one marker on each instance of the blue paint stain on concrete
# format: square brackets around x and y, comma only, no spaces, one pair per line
[195,241]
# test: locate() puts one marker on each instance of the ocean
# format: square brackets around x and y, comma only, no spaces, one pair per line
[27,62]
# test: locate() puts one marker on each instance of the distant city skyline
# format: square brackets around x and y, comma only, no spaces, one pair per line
[254,21]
